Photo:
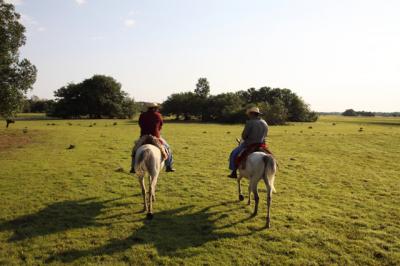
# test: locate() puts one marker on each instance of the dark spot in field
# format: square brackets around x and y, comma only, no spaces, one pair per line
[138,239]
[293,159]
[71,146]
[204,132]
[310,127]
[378,255]
[290,218]
[25,130]
[115,123]
[90,126]
[185,148]
[119,170]
[70,124]
[94,124]
[228,132]
[333,124]
[301,131]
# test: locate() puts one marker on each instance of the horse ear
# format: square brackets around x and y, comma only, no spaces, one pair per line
[238,140]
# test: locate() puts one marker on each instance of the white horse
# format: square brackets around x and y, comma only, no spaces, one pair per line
[259,165]
[149,160]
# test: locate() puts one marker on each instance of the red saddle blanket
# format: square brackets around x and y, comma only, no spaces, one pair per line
[241,159]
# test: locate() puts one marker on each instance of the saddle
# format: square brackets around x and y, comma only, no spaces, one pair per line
[240,161]
[149,139]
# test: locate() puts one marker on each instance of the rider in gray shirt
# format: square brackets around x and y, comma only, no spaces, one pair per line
[254,132]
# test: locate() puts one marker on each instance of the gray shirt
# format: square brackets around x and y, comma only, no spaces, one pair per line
[255,131]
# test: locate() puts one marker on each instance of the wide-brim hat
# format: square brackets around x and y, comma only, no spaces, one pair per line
[253,109]
[152,105]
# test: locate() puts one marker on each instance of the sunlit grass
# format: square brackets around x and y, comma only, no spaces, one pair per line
[337,200]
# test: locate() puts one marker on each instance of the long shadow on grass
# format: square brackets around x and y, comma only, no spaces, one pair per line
[56,217]
[171,232]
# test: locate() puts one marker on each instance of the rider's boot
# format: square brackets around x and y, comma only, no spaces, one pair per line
[233,174]
[169,169]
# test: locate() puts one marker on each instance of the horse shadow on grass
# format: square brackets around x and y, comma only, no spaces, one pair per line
[56,217]
[171,232]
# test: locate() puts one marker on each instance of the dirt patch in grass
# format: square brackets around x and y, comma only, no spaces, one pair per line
[12,139]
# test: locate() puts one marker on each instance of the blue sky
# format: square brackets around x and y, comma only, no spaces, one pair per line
[336,54]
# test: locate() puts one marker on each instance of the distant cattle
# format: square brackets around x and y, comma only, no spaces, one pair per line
[9,121]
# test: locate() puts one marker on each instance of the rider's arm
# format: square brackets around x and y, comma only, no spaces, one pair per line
[246,131]
[161,122]
[141,120]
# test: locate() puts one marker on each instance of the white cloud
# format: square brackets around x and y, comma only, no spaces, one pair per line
[80,2]
[129,22]
[41,29]
[14,2]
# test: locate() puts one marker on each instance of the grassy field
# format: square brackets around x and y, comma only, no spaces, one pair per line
[337,200]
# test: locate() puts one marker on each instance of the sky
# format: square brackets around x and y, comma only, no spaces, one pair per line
[335,54]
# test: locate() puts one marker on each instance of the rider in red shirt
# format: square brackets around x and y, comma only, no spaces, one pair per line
[151,123]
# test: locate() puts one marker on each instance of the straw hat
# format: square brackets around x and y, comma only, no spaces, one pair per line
[253,109]
[152,105]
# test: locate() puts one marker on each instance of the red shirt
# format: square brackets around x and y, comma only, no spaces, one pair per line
[150,123]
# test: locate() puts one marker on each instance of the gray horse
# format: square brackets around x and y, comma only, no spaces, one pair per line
[259,165]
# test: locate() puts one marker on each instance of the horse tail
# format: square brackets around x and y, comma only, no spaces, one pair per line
[270,167]
[144,161]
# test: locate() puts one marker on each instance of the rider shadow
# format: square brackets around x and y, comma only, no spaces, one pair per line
[171,232]
[56,217]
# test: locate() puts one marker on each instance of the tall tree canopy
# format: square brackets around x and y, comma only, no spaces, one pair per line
[16,76]
[202,88]
[96,97]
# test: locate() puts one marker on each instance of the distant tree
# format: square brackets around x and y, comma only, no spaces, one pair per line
[96,97]
[202,88]
[276,113]
[349,112]
[129,108]
[37,105]
[16,76]
[180,105]
[225,107]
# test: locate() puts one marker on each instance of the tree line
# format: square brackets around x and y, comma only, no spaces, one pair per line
[351,112]
[277,105]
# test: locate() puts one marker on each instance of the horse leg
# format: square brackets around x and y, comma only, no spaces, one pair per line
[269,199]
[144,193]
[153,188]
[241,198]
[249,189]
[150,200]
[253,184]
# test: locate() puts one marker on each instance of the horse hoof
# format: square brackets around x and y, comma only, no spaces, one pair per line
[241,198]
[268,226]
[149,216]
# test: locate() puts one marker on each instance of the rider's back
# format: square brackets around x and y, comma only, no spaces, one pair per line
[255,131]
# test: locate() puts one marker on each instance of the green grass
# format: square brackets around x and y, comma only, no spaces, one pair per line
[337,200]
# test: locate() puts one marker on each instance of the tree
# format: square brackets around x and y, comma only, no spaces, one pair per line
[180,105]
[16,76]
[202,88]
[96,97]
[349,112]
